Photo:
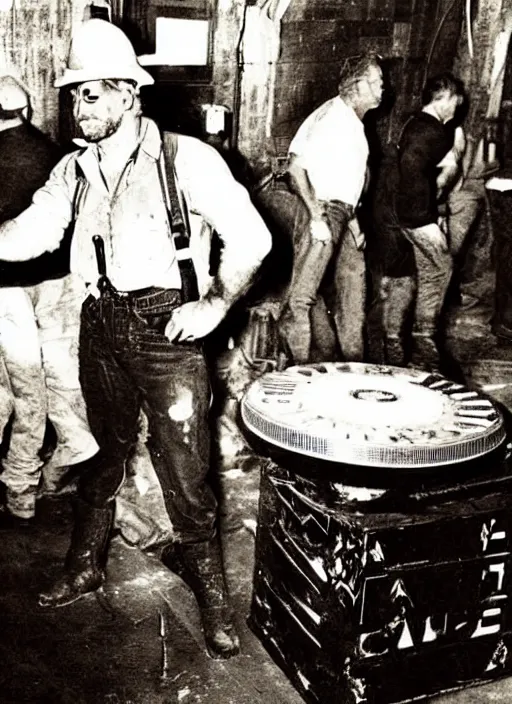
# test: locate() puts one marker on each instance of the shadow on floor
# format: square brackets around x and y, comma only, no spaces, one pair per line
[137,641]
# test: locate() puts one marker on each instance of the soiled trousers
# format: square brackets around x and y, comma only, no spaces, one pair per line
[126,363]
[425,293]
[39,345]
[305,311]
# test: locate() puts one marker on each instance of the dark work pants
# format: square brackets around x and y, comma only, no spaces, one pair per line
[311,260]
[126,363]
[424,292]
[501,208]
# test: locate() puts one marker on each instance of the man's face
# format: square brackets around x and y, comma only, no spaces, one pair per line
[372,87]
[447,105]
[98,109]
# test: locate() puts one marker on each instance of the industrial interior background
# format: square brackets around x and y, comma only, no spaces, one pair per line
[270,63]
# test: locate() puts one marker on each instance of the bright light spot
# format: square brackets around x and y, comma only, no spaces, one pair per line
[183,408]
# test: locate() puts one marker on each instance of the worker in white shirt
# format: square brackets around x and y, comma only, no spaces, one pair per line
[327,170]
[141,205]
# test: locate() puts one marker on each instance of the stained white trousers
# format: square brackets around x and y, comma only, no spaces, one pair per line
[39,328]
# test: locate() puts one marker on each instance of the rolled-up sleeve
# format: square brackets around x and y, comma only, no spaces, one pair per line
[224,203]
[41,227]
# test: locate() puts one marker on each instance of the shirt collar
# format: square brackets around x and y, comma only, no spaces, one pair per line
[150,143]
[151,140]
[348,110]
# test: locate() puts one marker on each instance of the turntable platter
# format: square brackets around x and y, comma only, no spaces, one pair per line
[366,414]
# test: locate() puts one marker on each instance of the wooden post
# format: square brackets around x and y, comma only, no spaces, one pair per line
[484,88]
[260,47]
[228,28]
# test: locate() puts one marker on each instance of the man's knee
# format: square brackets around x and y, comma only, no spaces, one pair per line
[298,305]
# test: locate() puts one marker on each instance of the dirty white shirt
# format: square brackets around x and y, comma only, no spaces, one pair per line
[133,221]
[332,147]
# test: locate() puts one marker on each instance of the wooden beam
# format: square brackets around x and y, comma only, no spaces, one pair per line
[476,70]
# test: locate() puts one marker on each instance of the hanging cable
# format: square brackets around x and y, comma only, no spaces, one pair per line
[436,37]
[237,98]
[469,29]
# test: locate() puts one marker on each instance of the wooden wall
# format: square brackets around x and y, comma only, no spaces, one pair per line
[490,18]
[276,60]
[34,40]
[271,68]
[415,38]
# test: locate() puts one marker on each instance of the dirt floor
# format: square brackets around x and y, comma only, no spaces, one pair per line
[138,641]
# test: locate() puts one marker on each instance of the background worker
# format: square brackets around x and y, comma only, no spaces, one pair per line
[412,263]
[39,320]
[327,169]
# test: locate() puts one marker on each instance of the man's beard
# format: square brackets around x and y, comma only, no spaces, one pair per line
[95,129]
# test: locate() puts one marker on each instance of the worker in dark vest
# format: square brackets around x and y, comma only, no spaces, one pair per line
[143,211]
[39,322]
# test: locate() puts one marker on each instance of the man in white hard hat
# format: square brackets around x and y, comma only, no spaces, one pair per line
[143,321]
[39,321]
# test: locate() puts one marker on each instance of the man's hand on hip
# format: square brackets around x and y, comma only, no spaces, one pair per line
[195,320]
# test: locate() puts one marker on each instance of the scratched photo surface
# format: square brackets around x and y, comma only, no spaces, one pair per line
[255,351]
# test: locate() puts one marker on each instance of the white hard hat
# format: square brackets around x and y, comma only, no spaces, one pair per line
[13,95]
[100,50]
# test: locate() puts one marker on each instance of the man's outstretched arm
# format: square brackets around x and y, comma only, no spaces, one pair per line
[40,227]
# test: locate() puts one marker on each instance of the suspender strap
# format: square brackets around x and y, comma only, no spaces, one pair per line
[177,216]
[80,190]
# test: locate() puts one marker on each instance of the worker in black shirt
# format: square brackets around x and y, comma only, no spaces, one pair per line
[411,254]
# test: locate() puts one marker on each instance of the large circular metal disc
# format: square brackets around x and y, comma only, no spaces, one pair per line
[377,416]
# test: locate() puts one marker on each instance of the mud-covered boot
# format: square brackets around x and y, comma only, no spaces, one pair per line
[84,569]
[395,353]
[57,481]
[200,567]
[425,354]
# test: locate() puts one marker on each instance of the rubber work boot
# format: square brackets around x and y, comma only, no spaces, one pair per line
[425,354]
[58,481]
[200,567]
[395,354]
[84,569]
[21,504]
